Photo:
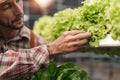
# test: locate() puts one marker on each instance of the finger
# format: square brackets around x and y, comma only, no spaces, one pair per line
[73,32]
[75,47]
[72,46]
[77,43]
[84,35]
[80,36]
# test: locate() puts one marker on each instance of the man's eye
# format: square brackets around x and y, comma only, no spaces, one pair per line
[7,6]
[17,0]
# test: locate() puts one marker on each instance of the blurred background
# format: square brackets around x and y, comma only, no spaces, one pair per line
[99,67]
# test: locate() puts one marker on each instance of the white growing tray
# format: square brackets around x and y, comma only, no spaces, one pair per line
[109,42]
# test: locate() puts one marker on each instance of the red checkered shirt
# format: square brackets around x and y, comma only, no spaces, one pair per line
[19,60]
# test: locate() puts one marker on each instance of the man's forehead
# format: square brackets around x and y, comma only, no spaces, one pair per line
[1,1]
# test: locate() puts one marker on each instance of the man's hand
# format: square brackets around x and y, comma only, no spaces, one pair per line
[69,41]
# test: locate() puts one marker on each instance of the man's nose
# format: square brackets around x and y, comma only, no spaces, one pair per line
[18,9]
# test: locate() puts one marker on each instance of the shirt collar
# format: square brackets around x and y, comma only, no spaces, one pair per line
[24,32]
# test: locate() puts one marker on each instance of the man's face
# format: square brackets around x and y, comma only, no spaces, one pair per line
[11,14]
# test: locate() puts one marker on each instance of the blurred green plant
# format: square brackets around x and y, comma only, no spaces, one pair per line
[66,71]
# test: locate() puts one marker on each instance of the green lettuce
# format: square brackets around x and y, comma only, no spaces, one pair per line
[66,71]
[100,17]
[43,26]
[115,19]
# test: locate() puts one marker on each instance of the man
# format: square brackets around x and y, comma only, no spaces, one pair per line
[22,52]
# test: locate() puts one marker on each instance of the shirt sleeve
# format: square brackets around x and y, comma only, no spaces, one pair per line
[39,40]
[22,63]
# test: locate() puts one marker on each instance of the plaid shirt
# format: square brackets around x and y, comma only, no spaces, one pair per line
[19,60]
